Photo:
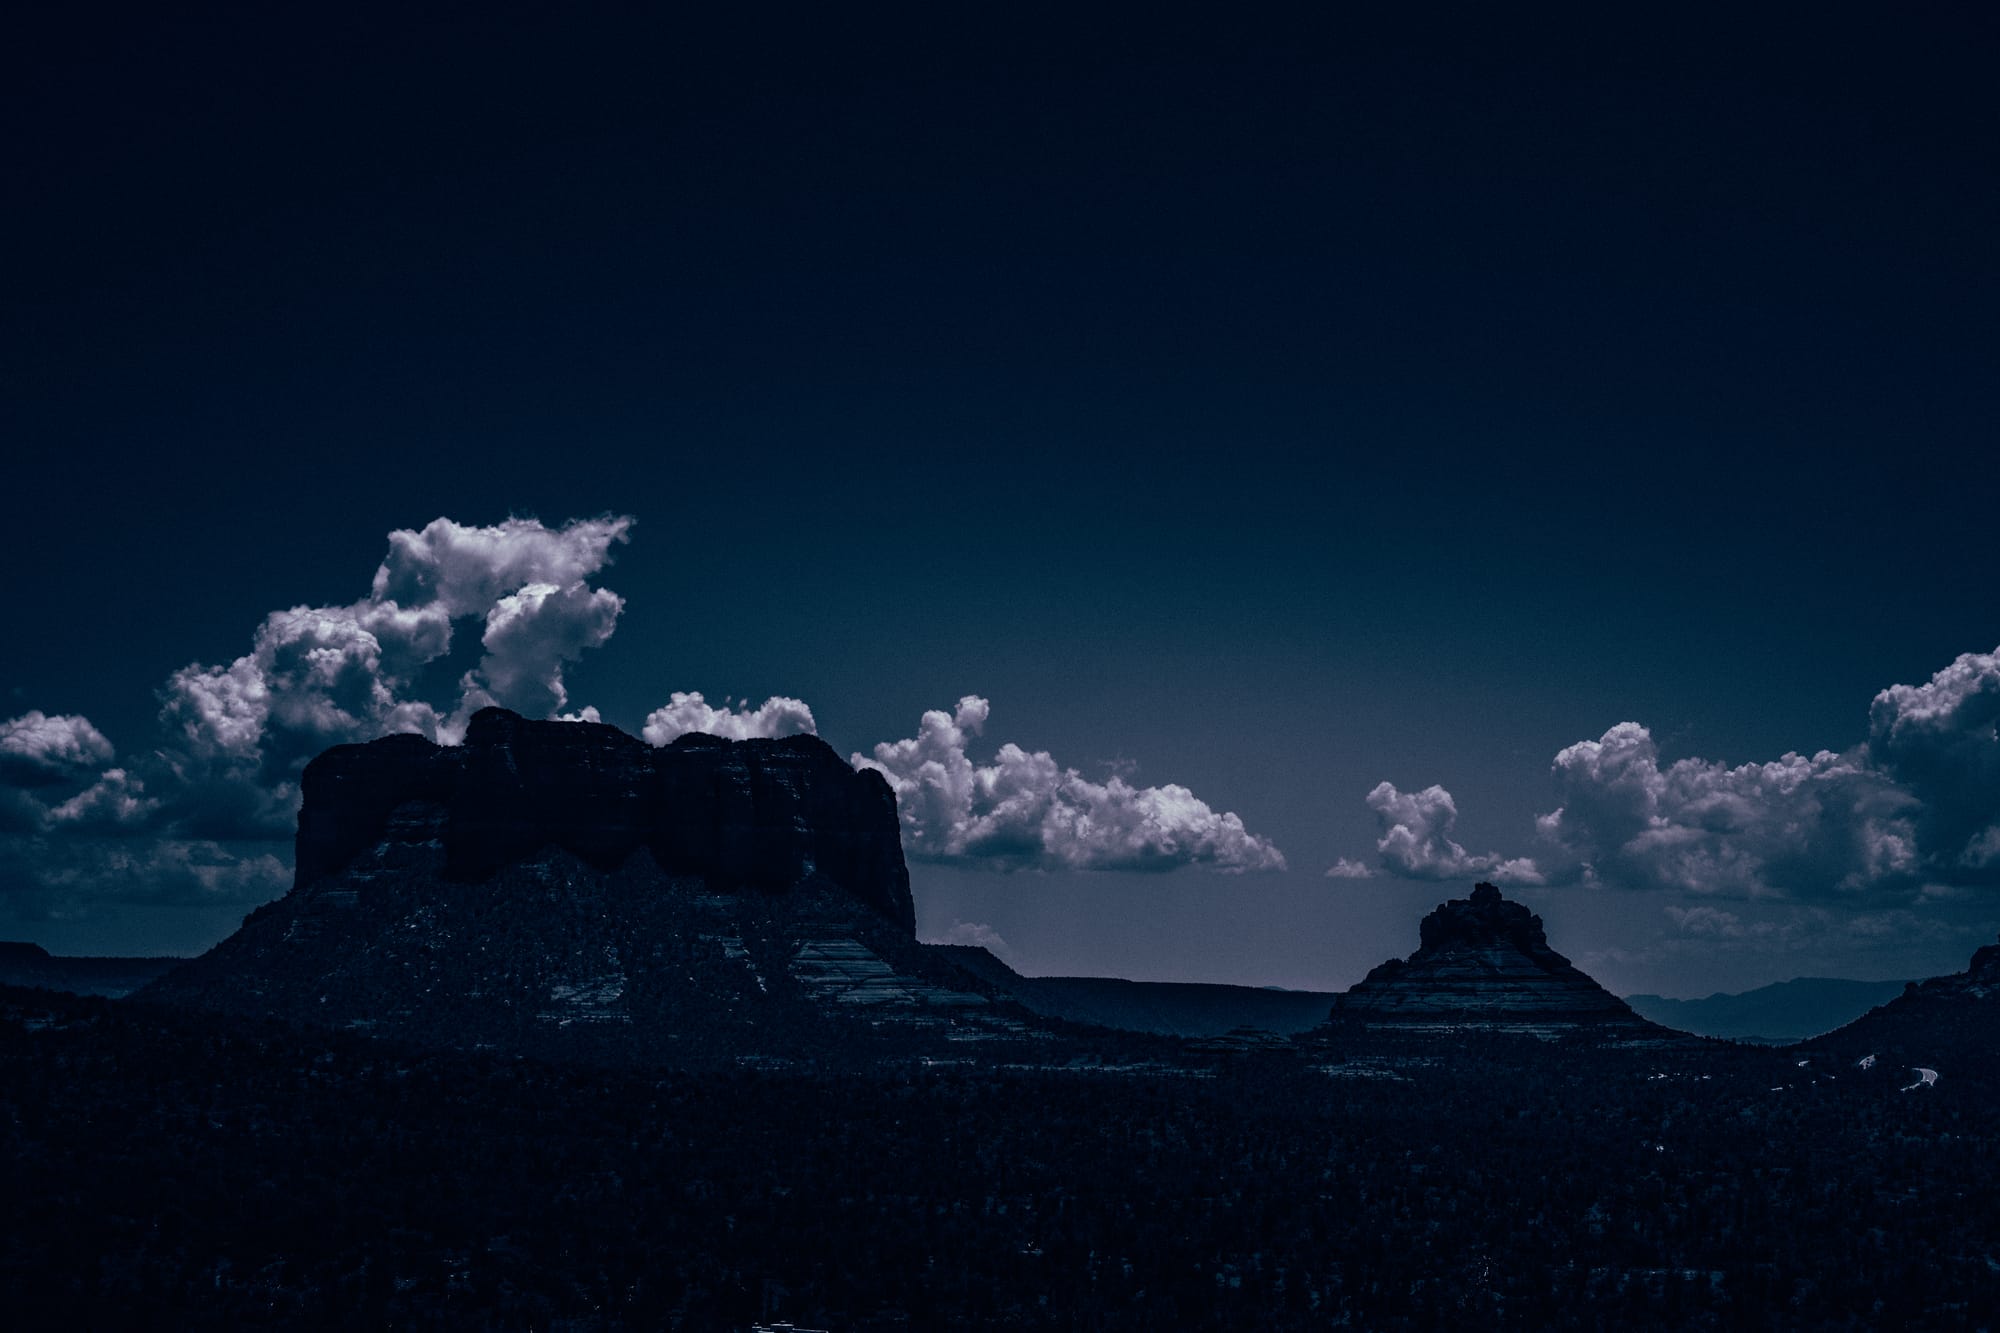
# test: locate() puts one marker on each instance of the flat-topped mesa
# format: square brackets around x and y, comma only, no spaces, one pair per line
[756,813]
[1485,960]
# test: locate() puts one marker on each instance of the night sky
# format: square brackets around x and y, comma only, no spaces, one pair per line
[1569,413]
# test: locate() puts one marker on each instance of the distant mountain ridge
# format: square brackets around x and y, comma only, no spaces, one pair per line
[1781,1012]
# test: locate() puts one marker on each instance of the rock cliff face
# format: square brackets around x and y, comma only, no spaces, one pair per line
[1979,981]
[564,890]
[1956,1015]
[1484,961]
[758,814]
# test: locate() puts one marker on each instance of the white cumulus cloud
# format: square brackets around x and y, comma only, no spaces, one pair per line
[316,676]
[689,712]
[464,570]
[40,749]
[531,633]
[1939,742]
[1826,823]
[234,736]
[1416,840]
[1910,814]
[1025,811]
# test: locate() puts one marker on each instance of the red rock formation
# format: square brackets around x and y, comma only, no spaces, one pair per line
[1483,960]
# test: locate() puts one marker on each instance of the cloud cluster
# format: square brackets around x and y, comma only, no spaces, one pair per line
[316,676]
[76,832]
[1025,811]
[234,736]
[1937,741]
[1416,841]
[55,773]
[689,712]
[66,878]
[39,750]
[1832,824]
[1910,814]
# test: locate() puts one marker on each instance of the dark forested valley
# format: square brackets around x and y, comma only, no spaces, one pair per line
[175,1169]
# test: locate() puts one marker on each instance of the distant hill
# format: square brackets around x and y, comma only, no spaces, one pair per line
[1946,1022]
[1173,1008]
[1485,963]
[1784,1011]
[32,965]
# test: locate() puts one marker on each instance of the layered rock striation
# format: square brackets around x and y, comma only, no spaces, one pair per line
[565,890]
[1483,961]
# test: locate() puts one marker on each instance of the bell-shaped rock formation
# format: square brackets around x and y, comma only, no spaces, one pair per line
[1484,962]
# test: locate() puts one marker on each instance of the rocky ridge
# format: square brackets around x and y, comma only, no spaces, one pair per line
[1956,1015]
[1484,962]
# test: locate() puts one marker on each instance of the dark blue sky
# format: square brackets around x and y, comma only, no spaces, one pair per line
[1285,403]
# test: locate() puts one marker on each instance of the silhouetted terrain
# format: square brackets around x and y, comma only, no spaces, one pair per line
[190,1170]
[1781,1012]
[567,891]
[1954,1018]
[1177,1008]
[553,1032]
[1486,962]
[32,965]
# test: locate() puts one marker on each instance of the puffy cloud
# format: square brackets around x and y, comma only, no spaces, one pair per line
[1346,868]
[1416,840]
[317,676]
[235,736]
[532,632]
[38,749]
[115,803]
[1828,824]
[1938,741]
[50,778]
[689,712]
[218,710]
[1910,814]
[1025,811]
[465,570]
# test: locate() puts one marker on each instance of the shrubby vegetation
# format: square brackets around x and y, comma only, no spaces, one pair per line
[168,1169]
